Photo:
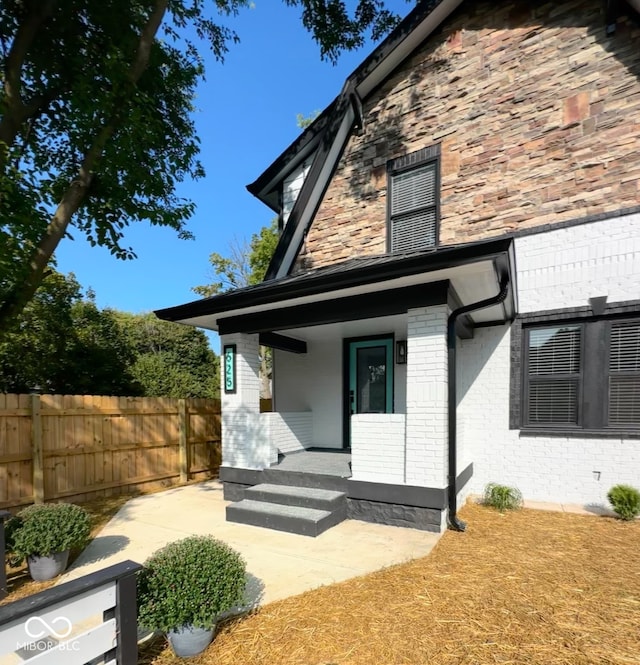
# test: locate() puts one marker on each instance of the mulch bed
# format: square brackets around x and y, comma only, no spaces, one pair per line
[528,587]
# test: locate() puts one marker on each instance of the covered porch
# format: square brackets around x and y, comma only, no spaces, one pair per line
[363,378]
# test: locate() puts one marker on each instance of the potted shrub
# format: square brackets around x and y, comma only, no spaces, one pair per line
[186,586]
[45,534]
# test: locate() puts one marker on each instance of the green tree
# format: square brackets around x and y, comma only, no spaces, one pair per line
[99,360]
[63,343]
[303,121]
[246,264]
[96,121]
[170,360]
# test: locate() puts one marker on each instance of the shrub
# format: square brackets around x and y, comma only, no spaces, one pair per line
[190,582]
[10,528]
[502,497]
[625,501]
[50,527]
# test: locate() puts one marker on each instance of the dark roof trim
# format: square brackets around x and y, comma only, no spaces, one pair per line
[317,283]
[305,143]
[371,62]
[282,342]
[351,308]
[313,188]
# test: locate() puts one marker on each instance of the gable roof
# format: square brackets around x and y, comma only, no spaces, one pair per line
[325,140]
[327,137]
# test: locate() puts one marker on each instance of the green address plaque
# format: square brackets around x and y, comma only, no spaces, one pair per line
[229,354]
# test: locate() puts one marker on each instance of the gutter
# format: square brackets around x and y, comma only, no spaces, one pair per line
[452,490]
[288,288]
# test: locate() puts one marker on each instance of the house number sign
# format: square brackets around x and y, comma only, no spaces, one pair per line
[229,353]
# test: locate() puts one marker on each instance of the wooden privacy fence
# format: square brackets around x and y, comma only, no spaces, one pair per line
[78,447]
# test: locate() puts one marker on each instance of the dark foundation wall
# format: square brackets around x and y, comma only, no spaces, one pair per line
[381,503]
[413,517]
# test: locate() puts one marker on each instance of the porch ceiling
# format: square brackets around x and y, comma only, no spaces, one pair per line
[361,289]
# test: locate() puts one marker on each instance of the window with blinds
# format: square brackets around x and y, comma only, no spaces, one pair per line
[554,375]
[413,208]
[624,374]
[582,375]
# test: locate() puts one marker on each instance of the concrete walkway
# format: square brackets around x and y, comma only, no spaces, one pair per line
[279,564]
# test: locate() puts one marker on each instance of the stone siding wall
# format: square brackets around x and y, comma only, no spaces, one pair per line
[537,112]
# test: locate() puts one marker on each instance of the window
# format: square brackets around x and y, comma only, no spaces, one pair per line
[624,374]
[554,375]
[414,201]
[581,375]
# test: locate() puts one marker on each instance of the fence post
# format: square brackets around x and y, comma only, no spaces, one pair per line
[126,616]
[4,514]
[36,450]
[183,436]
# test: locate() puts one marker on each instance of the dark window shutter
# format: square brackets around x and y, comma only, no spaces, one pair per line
[624,374]
[413,209]
[553,375]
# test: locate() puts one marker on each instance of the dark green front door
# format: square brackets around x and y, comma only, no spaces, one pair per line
[370,378]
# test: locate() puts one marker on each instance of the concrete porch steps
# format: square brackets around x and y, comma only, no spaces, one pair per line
[276,476]
[303,510]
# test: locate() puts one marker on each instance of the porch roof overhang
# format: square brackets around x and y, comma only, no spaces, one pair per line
[361,288]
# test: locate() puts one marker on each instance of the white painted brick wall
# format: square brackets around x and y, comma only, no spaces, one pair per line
[426,426]
[544,468]
[312,381]
[377,447]
[245,441]
[557,269]
[566,267]
[289,432]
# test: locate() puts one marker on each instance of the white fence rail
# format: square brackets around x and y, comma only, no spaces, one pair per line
[90,619]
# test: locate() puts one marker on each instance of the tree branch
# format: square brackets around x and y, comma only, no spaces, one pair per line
[14,111]
[77,190]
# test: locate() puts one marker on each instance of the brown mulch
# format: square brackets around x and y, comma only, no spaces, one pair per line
[20,585]
[530,587]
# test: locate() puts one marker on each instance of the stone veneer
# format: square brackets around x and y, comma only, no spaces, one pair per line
[537,112]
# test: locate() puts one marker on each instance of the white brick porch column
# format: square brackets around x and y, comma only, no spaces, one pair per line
[245,441]
[427,427]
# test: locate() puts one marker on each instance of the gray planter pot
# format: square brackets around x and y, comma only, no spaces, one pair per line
[43,568]
[189,641]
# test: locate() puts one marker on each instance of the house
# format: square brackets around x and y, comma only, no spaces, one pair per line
[455,296]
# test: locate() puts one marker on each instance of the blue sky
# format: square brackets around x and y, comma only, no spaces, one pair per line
[247,116]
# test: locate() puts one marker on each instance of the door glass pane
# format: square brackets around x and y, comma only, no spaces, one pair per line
[371,380]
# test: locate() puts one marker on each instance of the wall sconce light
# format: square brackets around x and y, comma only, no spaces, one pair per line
[401,352]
